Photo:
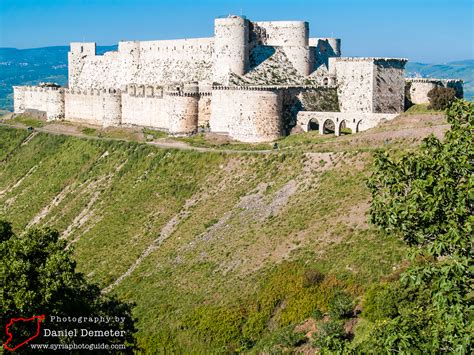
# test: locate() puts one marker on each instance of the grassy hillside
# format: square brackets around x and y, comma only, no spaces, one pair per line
[219,251]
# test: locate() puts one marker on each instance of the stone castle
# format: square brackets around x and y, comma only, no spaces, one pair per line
[253,81]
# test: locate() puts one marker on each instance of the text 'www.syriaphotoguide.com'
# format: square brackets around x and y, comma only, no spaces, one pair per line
[73,346]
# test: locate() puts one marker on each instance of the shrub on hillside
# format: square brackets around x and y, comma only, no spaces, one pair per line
[425,198]
[380,302]
[330,336]
[283,340]
[340,305]
[440,98]
[312,277]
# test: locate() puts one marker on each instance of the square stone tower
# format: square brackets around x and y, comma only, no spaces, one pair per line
[373,85]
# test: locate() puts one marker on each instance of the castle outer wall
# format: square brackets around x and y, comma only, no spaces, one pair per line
[250,81]
[417,89]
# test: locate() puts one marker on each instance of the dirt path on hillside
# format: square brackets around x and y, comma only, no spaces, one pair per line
[408,127]
[162,143]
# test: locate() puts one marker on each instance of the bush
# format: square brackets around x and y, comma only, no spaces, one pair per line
[330,336]
[425,198]
[340,305]
[39,277]
[312,277]
[219,326]
[441,98]
[380,302]
[280,341]
[317,314]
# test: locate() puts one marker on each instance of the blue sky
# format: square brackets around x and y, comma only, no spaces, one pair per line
[433,31]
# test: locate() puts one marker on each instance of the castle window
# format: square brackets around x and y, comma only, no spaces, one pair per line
[82,49]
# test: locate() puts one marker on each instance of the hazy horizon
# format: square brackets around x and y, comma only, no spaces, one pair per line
[112,45]
[437,31]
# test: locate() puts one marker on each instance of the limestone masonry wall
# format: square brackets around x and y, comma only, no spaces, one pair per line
[389,85]
[321,49]
[204,110]
[248,115]
[231,47]
[147,62]
[98,107]
[183,113]
[282,33]
[355,85]
[49,100]
[144,106]
[370,84]
[417,89]
[19,100]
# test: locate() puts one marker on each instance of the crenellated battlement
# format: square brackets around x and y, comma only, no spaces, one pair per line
[273,87]
[39,88]
[135,90]
[433,80]
[182,94]
[83,48]
[94,92]
[370,59]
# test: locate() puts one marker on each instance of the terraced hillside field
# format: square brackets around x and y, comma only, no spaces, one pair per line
[215,248]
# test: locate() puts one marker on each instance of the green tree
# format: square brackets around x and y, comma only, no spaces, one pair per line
[39,277]
[441,98]
[427,198]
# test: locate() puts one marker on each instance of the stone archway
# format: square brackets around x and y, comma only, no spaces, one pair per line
[358,126]
[313,125]
[344,128]
[328,127]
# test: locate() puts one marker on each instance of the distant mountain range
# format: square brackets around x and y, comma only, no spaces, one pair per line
[462,69]
[32,66]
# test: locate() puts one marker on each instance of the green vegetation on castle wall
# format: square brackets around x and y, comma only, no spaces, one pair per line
[323,99]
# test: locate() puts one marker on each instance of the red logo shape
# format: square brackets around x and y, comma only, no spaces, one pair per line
[39,319]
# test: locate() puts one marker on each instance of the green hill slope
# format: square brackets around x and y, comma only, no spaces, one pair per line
[216,250]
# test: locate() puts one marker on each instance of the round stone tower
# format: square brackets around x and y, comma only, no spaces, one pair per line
[183,112]
[335,45]
[130,59]
[112,108]
[55,104]
[293,37]
[231,37]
